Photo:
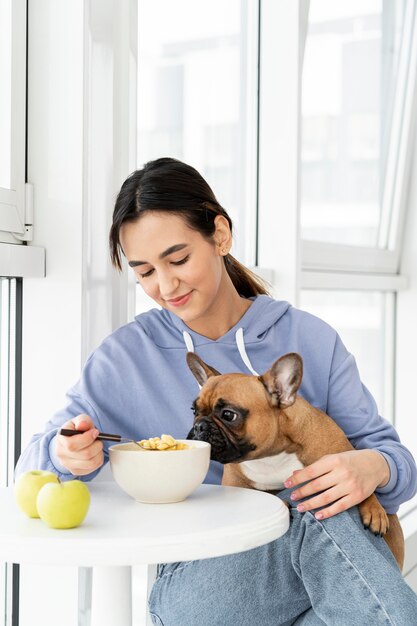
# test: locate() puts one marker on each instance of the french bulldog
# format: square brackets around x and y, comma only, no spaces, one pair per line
[262,431]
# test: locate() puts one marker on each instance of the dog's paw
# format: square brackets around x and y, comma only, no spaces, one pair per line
[374,516]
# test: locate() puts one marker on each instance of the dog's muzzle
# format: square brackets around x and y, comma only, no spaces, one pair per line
[223,449]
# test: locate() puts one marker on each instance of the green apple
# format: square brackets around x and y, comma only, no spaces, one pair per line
[27,487]
[63,505]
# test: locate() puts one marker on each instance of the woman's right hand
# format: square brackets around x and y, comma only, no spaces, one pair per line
[80,454]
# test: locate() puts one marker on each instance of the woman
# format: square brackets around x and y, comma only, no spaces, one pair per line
[177,238]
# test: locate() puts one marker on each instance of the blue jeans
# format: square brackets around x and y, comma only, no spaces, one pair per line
[331,572]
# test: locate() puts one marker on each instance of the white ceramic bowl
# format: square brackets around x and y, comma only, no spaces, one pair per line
[159,476]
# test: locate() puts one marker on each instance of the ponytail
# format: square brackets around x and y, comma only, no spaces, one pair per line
[246,282]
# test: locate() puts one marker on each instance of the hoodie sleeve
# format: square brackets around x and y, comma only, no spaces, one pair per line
[354,409]
[40,452]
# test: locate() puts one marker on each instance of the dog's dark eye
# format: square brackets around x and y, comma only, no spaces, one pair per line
[194,410]
[229,416]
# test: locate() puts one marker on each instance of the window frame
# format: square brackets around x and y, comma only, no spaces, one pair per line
[11,334]
[13,200]
[386,257]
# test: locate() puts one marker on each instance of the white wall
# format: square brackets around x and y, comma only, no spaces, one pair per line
[52,305]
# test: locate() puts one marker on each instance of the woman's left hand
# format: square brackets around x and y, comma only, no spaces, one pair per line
[345,479]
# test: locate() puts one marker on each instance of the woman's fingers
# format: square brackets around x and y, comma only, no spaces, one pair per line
[78,443]
[314,486]
[328,497]
[337,481]
[80,454]
[337,507]
[82,468]
[82,422]
[308,473]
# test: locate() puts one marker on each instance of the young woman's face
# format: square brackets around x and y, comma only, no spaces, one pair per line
[175,265]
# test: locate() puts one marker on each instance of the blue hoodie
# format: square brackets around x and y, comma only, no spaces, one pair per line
[137,384]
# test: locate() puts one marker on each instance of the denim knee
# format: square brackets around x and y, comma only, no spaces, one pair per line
[258,586]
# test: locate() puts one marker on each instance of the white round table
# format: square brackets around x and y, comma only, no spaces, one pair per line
[119,533]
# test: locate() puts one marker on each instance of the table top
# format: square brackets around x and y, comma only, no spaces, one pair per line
[213,521]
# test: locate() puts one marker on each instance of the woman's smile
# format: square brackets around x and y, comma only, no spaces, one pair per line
[180,300]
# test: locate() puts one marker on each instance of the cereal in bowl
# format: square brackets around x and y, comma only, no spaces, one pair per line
[164,442]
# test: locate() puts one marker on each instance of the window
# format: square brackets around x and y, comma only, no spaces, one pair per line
[358,71]
[351,88]
[197,100]
[365,323]
[358,80]
[12,121]
[5,92]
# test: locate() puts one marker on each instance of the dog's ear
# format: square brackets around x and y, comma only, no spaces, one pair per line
[283,379]
[202,372]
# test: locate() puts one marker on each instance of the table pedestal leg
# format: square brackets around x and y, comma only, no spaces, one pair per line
[85,581]
[112,596]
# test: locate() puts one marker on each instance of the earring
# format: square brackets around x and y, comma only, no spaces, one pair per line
[224,251]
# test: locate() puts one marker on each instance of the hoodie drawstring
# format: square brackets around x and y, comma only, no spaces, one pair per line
[242,351]
[188,341]
[190,346]
[240,346]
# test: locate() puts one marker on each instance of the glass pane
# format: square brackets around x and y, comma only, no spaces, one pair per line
[193,102]
[5,90]
[349,81]
[364,321]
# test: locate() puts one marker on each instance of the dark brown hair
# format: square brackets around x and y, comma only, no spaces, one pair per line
[172,186]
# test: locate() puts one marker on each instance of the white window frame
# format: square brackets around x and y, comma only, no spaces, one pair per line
[12,201]
[280,62]
[386,257]
[16,203]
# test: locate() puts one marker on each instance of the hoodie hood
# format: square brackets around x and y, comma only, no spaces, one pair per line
[167,330]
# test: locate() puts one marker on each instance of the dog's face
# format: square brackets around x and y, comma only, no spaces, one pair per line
[238,414]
